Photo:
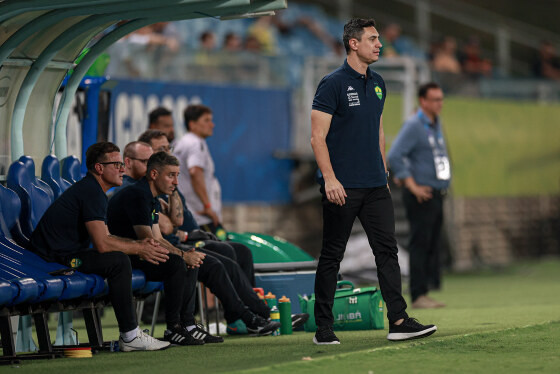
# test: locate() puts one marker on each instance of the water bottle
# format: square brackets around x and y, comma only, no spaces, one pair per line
[270,299]
[275,317]
[285,307]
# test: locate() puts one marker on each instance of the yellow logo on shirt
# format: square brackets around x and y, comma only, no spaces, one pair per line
[379,92]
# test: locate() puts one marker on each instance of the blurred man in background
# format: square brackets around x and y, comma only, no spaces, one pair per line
[419,159]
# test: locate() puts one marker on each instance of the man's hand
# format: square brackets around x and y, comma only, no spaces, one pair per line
[422,193]
[208,212]
[335,191]
[192,258]
[151,251]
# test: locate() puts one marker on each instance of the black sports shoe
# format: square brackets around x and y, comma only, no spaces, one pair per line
[260,326]
[199,333]
[299,319]
[180,336]
[410,329]
[325,335]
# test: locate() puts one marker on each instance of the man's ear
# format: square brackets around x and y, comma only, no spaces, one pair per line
[153,174]
[98,168]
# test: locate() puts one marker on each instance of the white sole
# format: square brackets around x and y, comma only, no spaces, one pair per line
[396,336]
[327,343]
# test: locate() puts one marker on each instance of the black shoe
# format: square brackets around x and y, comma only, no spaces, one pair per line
[180,336]
[410,329]
[260,326]
[299,319]
[325,335]
[199,333]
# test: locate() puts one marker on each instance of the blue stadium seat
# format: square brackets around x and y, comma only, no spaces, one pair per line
[34,200]
[51,288]
[23,289]
[80,284]
[70,169]
[7,293]
[30,167]
[50,174]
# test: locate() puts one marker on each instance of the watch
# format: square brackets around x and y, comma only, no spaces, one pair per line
[387,174]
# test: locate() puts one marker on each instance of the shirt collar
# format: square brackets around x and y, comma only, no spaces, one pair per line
[353,73]
[426,120]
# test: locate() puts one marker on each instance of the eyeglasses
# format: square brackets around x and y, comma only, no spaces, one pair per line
[117,164]
[142,160]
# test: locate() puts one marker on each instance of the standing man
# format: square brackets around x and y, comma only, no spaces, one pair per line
[197,181]
[161,119]
[77,219]
[349,145]
[419,160]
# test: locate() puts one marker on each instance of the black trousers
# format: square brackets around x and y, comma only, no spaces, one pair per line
[374,208]
[179,285]
[244,256]
[425,221]
[215,274]
[117,269]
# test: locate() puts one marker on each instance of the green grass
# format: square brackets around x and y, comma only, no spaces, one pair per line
[498,148]
[505,320]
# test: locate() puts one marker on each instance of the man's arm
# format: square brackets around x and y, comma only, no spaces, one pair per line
[199,187]
[399,153]
[320,125]
[147,249]
[382,142]
[175,212]
[191,258]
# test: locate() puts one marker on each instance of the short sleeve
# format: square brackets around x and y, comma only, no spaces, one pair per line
[196,155]
[384,93]
[95,207]
[139,208]
[326,98]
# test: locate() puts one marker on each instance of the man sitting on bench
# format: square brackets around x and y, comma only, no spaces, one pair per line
[78,218]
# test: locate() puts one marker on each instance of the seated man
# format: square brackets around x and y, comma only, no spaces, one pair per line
[77,219]
[177,227]
[134,212]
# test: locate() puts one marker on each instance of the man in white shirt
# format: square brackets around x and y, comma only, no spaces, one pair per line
[197,181]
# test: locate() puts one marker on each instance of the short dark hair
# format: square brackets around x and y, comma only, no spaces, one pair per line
[150,134]
[96,153]
[161,159]
[194,112]
[354,29]
[423,89]
[154,115]
[130,148]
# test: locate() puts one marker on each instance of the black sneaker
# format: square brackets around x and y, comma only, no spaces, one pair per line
[410,329]
[299,319]
[325,335]
[199,333]
[260,326]
[180,336]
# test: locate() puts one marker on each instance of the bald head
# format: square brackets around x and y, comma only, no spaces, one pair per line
[136,155]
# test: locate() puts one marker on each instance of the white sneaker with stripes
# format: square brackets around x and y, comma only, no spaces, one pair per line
[142,342]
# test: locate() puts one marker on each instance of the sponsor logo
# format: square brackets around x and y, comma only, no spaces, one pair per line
[350,88]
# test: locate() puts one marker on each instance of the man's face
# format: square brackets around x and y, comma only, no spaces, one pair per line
[165,124]
[369,46]
[433,102]
[203,127]
[112,169]
[166,181]
[137,165]
[160,144]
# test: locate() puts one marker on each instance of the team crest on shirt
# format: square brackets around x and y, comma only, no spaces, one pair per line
[75,263]
[353,98]
[379,92]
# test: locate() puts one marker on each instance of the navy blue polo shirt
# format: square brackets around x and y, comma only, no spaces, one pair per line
[131,206]
[356,103]
[62,231]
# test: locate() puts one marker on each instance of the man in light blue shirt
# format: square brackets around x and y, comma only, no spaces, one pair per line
[419,159]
